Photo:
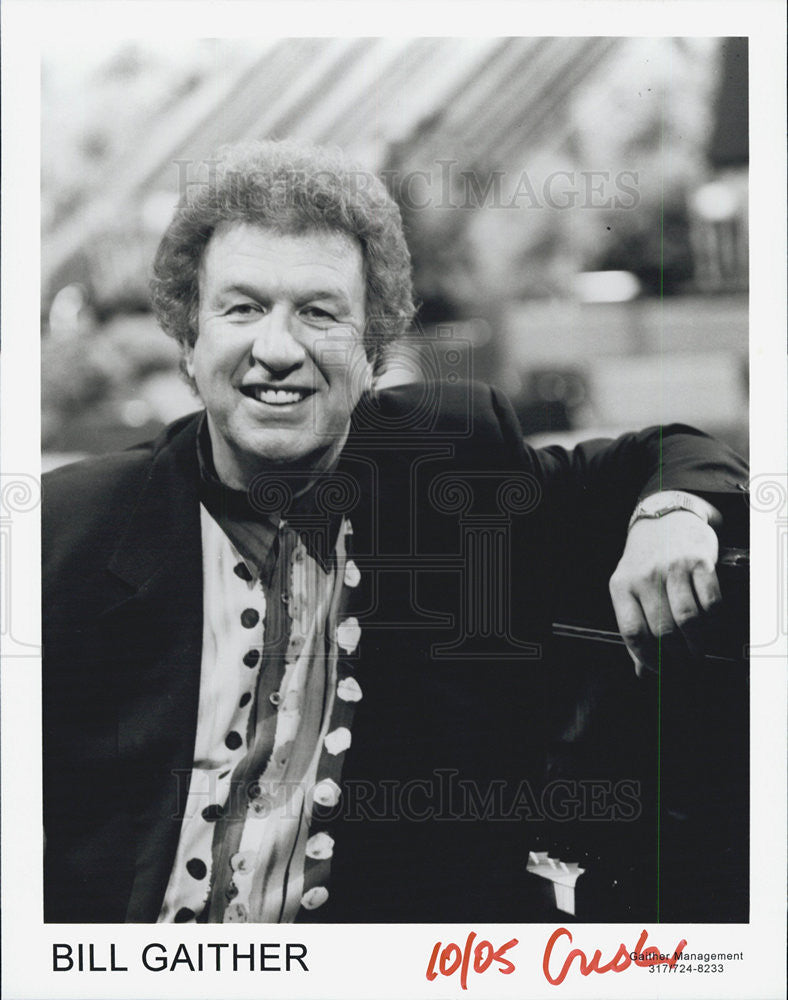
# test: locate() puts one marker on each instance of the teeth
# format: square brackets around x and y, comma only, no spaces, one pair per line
[278,397]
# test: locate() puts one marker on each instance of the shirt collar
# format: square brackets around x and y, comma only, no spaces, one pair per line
[252,518]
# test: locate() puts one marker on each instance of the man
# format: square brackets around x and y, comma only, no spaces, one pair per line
[273,633]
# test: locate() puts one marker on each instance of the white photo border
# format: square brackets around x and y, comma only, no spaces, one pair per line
[355,960]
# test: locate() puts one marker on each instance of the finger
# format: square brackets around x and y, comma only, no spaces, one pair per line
[707,588]
[685,611]
[634,630]
[656,608]
[658,615]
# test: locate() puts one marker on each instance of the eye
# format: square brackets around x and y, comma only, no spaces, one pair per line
[317,314]
[242,309]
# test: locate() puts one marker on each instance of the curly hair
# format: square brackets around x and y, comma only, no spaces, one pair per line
[291,188]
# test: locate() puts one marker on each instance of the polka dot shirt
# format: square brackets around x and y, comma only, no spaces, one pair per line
[274,723]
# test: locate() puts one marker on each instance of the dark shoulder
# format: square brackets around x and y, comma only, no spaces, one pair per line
[95,479]
[88,500]
[460,411]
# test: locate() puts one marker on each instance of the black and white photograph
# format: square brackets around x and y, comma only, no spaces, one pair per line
[397,481]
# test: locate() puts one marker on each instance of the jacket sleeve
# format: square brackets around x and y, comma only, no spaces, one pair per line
[588,494]
[598,483]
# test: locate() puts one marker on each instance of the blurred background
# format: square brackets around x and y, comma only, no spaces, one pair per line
[576,209]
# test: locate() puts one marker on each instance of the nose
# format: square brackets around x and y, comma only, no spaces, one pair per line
[274,346]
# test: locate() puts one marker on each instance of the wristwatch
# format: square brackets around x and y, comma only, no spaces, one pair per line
[660,504]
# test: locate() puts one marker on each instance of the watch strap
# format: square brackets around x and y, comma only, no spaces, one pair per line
[658,505]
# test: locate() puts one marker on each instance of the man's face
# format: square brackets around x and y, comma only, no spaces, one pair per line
[279,359]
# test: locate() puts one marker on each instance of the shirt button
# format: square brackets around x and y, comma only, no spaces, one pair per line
[352,574]
[197,868]
[326,793]
[249,618]
[314,897]
[231,891]
[235,914]
[338,741]
[262,806]
[349,689]
[275,698]
[320,846]
[261,801]
[242,571]
[242,861]
[212,813]
[348,634]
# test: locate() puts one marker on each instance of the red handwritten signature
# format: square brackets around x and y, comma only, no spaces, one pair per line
[450,958]
[619,962]
[446,960]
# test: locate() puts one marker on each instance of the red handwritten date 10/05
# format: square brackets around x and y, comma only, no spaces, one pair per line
[451,958]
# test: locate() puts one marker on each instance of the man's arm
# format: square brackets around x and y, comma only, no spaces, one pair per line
[665,585]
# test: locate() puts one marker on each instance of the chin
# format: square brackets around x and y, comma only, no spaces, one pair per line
[285,454]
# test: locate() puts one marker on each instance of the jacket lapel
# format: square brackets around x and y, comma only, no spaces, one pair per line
[155,634]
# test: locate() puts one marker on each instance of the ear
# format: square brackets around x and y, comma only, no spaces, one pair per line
[368,376]
[188,360]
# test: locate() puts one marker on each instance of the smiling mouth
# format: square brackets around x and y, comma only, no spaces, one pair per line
[276,397]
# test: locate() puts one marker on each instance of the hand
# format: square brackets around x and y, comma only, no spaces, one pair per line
[665,585]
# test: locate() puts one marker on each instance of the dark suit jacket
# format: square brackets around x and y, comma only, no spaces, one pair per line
[462,534]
